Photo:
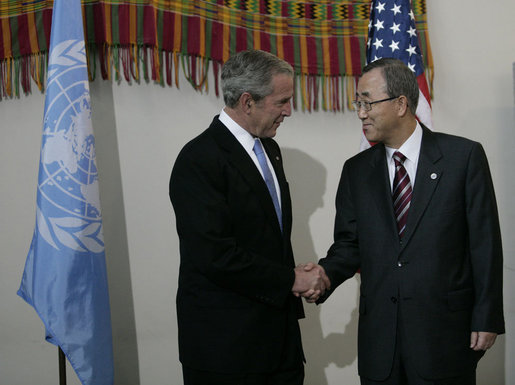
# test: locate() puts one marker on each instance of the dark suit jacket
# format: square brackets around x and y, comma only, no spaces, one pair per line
[235,309]
[446,273]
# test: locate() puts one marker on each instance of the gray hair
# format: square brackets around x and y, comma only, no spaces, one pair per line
[251,71]
[400,80]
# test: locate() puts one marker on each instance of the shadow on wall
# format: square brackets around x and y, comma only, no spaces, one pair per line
[307,178]
[125,347]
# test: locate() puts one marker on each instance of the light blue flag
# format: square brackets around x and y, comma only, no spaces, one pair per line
[65,277]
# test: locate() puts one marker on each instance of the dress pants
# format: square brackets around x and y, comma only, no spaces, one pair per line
[290,370]
[403,371]
[287,377]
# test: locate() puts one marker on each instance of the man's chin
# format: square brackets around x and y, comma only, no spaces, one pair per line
[273,131]
[369,136]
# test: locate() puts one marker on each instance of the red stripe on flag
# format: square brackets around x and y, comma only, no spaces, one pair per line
[47,25]
[424,103]
[193,36]
[123,24]
[3,54]
[168,28]
[265,41]
[329,12]
[217,41]
[288,49]
[333,56]
[98,12]
[311,54]
[422,85]
[23,35]
[355,58]
[308,11]
[149,26]
[241,39]
[284,9]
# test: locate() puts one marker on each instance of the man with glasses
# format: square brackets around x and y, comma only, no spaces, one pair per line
[417,215]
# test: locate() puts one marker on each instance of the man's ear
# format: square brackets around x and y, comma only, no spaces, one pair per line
[402,103]
[246,102]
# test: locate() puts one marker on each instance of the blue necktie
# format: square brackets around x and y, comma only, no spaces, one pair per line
[269,180]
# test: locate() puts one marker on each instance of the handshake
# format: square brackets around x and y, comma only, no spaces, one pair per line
[310,282]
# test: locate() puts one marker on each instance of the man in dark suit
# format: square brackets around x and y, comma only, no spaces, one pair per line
[237,315]
[417,215]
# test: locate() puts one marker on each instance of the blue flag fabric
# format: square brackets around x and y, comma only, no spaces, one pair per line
[392,33]
[65,277]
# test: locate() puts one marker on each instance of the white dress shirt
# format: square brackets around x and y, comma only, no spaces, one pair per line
[411,150]
[247,141]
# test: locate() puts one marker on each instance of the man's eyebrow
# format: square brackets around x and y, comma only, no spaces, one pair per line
[366,94]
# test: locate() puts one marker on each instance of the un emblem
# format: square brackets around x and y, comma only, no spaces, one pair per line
[69,212]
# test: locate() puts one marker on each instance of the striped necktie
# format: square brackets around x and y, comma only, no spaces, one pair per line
[269,180]
[402,192]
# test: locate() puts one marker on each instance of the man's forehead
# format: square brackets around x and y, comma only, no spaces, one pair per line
[370,83]
[282,83]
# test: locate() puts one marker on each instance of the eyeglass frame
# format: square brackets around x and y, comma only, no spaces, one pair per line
[358,104]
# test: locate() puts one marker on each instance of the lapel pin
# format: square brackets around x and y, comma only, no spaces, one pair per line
[276,158]
[434,176]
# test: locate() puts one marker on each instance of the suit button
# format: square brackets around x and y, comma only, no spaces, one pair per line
[393,299]
[399,264]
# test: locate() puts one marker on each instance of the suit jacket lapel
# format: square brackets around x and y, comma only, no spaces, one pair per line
[239,159]
[428,176]
[381,190]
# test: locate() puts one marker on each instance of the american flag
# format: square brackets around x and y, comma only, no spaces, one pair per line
[392,33]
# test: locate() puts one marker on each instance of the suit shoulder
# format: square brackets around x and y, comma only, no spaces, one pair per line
[197,144]
[202,146]
[198,160]
[456,144]
[365,156]
[443,137]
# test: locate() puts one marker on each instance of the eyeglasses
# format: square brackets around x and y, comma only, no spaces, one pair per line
[367,106]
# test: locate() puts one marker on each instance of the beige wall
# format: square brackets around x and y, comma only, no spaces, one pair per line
[139,130]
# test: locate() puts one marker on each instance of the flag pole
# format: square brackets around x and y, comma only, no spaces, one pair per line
[62,367]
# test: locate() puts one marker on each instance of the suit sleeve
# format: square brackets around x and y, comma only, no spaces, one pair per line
[209,245]
[485,245]
[342,260]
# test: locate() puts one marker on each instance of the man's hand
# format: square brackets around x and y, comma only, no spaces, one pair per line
[482,340]
[310,281]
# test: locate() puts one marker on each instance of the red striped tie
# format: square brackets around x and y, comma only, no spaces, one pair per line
[401,192]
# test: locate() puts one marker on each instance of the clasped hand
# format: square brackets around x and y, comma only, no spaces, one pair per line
[310,282]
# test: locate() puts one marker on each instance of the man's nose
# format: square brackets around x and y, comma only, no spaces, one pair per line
[362,114]
[287,109]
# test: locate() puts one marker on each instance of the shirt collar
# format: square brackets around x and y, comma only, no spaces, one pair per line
[242,135]
[411,147]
